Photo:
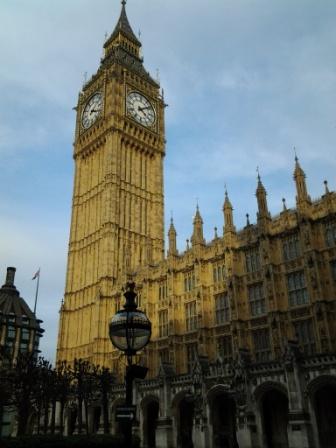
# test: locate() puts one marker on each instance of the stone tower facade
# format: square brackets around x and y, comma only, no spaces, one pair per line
[117,209]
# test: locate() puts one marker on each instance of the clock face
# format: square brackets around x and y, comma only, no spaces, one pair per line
[92,110]
[140,109]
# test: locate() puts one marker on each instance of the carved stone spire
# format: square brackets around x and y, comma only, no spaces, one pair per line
[262,200]
[197,236]
[123,27]
[302,197]
[172,249]
[228,215]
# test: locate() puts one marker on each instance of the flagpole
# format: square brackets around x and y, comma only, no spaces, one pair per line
[37,290]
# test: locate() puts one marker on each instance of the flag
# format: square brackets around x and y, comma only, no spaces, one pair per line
[37,274]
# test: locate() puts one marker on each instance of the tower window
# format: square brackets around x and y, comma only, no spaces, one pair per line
[224,348]
[191,355]
[252,260]
[164,355]
[25,334]
[291,247]
[305,335]
[163,290]
[218,273]
[163,323]
[222,308]
[333,269]
[257,299]
[191,316]
[11,332]
[330,234]
[297,290]
[262,344]
[189,281]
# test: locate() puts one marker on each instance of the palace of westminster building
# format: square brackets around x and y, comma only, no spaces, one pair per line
[243,349]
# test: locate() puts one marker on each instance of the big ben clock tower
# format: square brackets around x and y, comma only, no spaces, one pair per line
[117,208]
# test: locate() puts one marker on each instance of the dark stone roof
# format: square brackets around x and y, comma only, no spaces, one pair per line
[121,56]
[12,305]
[123,27]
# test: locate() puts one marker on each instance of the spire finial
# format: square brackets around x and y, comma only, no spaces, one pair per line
[247,219]
[284,204]
[225,190]
[295,153]
[216,234]
[123,2]
[258,173]
[326,187]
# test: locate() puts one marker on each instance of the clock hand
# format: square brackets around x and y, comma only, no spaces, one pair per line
[141,109]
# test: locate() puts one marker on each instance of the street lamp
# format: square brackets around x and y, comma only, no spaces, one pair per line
[130,331]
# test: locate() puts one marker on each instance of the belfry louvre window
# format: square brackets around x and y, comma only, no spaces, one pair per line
[305,334]
[163,323]
[224,347]
[257,299]
[191,316]
[330,233]
[291,247]
[222,308]
[297,291]
[218,272]
[262,344]
[189,281]
[252,259]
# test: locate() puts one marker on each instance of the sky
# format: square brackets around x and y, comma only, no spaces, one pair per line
[245,82]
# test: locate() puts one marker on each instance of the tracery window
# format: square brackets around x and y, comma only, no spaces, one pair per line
[297,291]
[222,308]
[189,281]
[224,347]
[191,355]
[218,272]
[262,346]
[291,247]
[330,233]
[305,333]
[163,290]
[191,316]
[163,323]
[257,299]
[252,260]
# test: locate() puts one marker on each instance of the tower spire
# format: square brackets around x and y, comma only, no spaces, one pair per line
[302,197]
[197,236]
[122,30]
[261,199]
[228,214]
[172,249]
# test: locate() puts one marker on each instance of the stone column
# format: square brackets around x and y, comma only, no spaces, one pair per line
[299,425]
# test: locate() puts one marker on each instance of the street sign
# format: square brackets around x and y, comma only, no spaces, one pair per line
[125,413]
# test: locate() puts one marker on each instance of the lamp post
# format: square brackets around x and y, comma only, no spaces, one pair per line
[130,331]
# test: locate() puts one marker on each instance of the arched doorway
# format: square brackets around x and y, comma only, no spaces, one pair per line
[185,421]
[72,420]
[325,413]
[275,418]
[223,416]
[96,414]
[151,415]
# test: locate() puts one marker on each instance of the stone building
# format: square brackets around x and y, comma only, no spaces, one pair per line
[243,346]
[20,332]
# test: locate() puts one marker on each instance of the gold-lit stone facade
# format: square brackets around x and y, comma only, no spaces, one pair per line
[254,288]
[117,210]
